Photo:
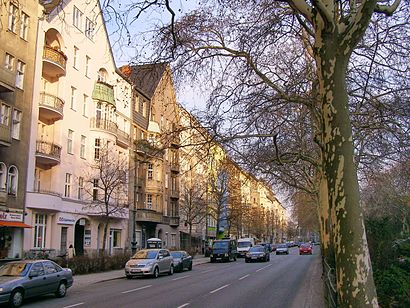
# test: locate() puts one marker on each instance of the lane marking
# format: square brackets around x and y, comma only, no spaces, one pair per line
[244,277]
[216,290]
[264,267]
[207,271]
[182,277]
[144,287]
[184,305]
[75,305]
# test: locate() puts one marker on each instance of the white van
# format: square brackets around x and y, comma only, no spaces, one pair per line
[244,244]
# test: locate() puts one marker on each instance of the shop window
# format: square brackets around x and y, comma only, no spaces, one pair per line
[12,180]
[40,223]
[116,238]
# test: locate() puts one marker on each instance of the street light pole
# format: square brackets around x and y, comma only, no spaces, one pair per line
[134,236]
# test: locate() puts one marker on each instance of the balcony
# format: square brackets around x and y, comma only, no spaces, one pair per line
[49,5]
[172,221]
[123,138]
[153,186]
[7,80]
[147,149]
[104,125]
[5,135]
[146,215]
[54,62]
[104,92]
[51,108]
[47,154]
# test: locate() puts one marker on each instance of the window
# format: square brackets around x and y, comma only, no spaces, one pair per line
[37,269]
[80,194]
[12,179]
[89,28]
[75,58]
[87,238]
[85,99]
[102,75]
[97,146]
[24,26]
[16,124]
[149,201]
[87,65]
[73,98]
[13,11]
[70,141]
[77,18]
[95,189]
[21,67]
[63,240]
[82,146]
[49,268]
[40,231]
[9,62]
[67,185]
[150,171]
[4,114]
[136,103]
[115,238]
[3,176]
[173,240]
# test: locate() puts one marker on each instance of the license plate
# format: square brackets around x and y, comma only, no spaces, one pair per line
[136,270]
[254,257]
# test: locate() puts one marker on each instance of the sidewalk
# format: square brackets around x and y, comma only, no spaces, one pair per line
[83,280]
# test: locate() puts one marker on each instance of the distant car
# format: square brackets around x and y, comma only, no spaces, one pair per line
[305,249]
[257,253]
[151,262]
[282,249]
[28,278]
[267,245]
[182,260]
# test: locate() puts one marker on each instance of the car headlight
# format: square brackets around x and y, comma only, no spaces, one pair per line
[212,255]
[1,289]
[226,255]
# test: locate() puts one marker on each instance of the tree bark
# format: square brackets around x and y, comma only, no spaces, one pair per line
[354,278]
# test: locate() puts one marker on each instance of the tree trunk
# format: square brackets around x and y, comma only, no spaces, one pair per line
[190,238]
[104,244]
[355,285]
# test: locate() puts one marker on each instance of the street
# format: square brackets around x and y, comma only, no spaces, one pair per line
[285,281]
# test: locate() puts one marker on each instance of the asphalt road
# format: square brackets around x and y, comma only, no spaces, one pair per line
[282,282]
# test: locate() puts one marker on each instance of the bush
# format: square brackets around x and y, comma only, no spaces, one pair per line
[95,263]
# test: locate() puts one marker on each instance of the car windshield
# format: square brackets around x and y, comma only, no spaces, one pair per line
[14,269]
[282,246]
[217,245]
[305,245]
[244,244]
[176,254]
[256,249]
[145,254]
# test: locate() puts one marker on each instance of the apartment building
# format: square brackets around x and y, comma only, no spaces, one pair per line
[18,29]
[80,126]
[155,161]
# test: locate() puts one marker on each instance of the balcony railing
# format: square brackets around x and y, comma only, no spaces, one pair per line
[48,153]
[47,192]
[172,221]
[5,135]
[148,215]
[51,107]
[55,62]
[103,124]
[103,92]
[7,80]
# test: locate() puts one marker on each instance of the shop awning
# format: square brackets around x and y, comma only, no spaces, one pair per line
[17,224]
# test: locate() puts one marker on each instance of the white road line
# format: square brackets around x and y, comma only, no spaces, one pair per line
[182,277]
[263,267]
[75,305]
[207,271]
[216,290]
[184,305]
[244,277]
[144,287]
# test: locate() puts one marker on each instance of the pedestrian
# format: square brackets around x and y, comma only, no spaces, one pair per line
[71,251]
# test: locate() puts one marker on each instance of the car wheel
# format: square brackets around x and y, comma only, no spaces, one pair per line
[212,260]
[128,276]
[16,298]
[171,270]
[156,272]
[234,257]
[61,290]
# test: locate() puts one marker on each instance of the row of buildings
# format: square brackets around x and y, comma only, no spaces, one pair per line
[102,157]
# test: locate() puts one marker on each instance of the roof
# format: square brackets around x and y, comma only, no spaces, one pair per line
[146,77]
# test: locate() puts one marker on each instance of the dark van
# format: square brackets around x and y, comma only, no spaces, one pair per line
[224,250]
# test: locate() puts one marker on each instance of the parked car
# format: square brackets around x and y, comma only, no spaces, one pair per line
[257,253]
[29,278]
[282,249]
[224,250]
[305,249]
[149,262]
[182,260]
[267,245]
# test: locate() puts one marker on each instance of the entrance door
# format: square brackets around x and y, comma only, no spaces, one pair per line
[79,237]
[63,242]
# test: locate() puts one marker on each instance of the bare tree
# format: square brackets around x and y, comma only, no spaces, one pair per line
[106,183]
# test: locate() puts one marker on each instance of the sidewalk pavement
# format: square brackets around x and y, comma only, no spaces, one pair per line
[83,280]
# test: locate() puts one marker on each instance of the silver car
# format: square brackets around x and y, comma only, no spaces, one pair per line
[28,278]
[152,262]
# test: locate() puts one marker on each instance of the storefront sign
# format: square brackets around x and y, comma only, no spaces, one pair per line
[7,216]
[65,219]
